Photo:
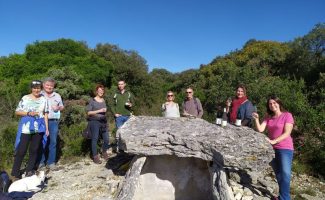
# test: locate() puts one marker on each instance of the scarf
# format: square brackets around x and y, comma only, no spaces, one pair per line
[235,106]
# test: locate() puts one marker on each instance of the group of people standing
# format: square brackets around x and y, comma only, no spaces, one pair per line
[40,114]
[38,127]
[96,112]
[191,105]
[278,123]
[39,124]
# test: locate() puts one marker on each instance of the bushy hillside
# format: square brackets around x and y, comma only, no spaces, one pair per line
[294,70]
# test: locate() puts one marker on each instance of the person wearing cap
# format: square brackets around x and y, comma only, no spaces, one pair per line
[55,107]
[33,125]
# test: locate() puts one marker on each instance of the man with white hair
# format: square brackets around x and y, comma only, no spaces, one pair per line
[192,106]
[55,107]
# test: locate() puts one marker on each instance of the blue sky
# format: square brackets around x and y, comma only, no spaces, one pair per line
[171,34]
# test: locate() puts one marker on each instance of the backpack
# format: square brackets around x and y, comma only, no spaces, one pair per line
[4,182]
[195,102]
[86,133]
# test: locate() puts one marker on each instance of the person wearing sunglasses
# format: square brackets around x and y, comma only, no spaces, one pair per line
[32,128]
[170,108]
[192,106]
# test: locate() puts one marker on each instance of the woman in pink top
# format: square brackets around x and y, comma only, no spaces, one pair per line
[279,124]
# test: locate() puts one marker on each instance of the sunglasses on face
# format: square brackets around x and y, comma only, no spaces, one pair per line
[36,82]
[170,95]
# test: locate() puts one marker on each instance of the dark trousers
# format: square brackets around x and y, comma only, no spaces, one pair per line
[26,139]
[97,128]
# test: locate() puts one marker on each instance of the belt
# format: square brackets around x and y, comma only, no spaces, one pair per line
[53,119]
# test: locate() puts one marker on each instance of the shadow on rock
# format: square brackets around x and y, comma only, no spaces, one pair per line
[120,163]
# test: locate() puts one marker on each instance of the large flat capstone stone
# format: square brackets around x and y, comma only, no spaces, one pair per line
[239,147]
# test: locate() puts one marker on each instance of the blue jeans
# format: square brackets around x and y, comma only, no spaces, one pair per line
[51,143]
[119,121]
[97,128]
[282,169]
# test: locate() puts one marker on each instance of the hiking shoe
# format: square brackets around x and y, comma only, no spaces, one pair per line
[106,155]
[97,159]
[51,167]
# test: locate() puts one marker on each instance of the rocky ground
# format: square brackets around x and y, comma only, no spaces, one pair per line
[303,187]
[307,187]
[84,180]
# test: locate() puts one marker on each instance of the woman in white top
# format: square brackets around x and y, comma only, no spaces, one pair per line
[170,108]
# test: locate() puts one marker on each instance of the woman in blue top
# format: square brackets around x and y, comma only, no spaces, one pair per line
[33,109]
[240,107]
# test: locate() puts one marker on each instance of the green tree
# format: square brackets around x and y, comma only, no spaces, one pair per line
[307,57]
[69,82]
[269,54]
[9,99]
[14,67]
[128,65]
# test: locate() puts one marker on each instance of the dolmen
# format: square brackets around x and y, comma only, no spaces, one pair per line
[189,159]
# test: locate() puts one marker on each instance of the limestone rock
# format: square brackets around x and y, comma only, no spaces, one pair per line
[132,179]
[178,155]
[230,146]
[247,198]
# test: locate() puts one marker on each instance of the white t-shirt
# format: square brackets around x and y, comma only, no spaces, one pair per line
[170,110]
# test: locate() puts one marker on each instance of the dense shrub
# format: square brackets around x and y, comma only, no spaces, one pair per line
[294,71]
[7,140]
[72,142]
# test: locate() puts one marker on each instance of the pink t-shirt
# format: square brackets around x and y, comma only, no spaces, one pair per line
[275,127]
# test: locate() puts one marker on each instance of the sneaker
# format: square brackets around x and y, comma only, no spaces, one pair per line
[105,155]
[97,159]
[41,165]
[51,166]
